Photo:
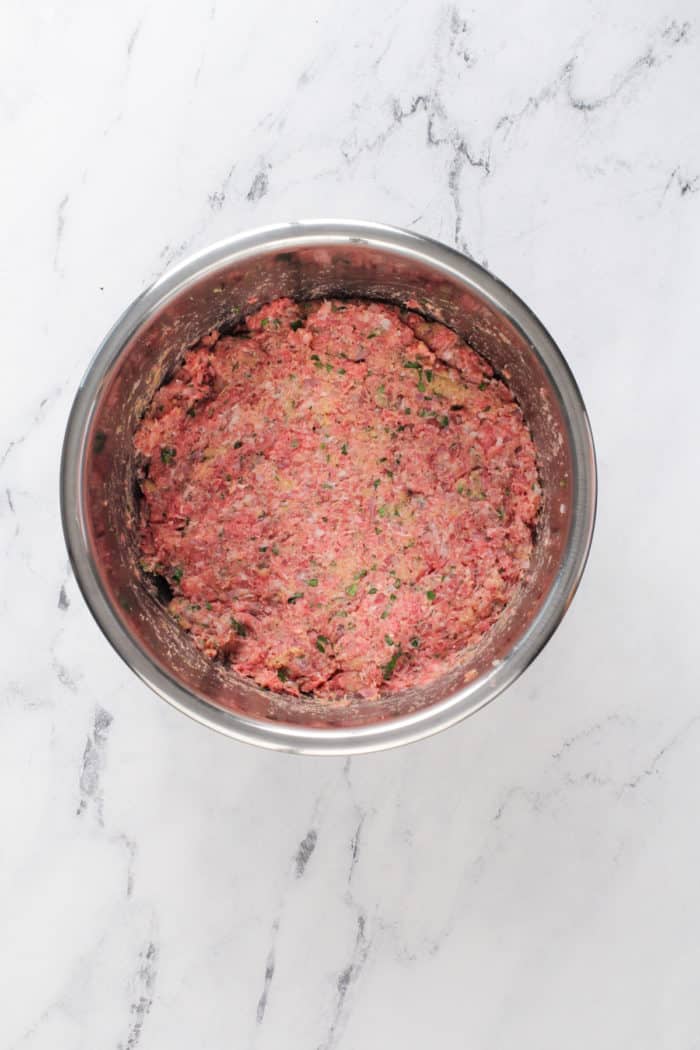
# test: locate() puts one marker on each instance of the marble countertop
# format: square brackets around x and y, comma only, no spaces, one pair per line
[527,879]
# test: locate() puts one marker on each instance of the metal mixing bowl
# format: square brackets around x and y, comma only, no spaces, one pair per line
[304,261]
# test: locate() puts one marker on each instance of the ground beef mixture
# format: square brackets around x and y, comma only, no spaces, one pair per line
[341,496]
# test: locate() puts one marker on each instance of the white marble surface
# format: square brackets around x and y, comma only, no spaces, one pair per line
[529,879]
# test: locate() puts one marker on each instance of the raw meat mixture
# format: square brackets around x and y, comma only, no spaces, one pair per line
[341,496]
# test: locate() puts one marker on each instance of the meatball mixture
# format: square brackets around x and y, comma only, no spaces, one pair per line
[341,495]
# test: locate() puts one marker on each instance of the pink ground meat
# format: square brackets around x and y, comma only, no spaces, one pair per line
[342,497]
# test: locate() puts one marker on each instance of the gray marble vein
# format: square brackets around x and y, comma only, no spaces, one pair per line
[142,1001]
[345,980]
[93,757]
[305,851]
[269,974]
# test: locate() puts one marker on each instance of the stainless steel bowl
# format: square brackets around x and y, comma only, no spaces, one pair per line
[307,260]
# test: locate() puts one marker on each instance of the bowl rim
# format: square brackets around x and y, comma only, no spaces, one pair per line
[291,737]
